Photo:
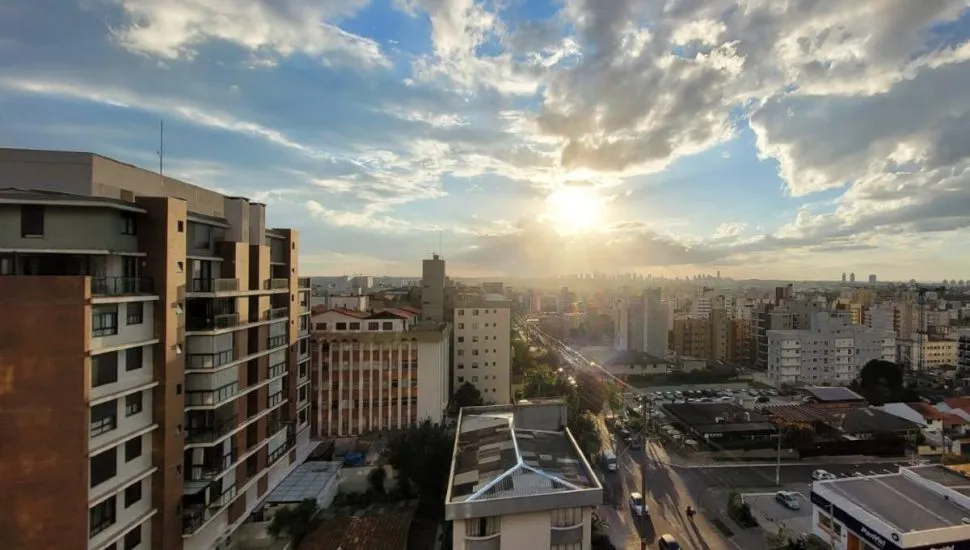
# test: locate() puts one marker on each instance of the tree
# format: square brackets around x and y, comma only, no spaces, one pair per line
[540,381]
[295,523]
[882,382]
[467,395]
[421,455]
[585,432]
[376,479]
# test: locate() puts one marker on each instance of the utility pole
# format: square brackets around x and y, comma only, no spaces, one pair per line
[778,460]
[643,469]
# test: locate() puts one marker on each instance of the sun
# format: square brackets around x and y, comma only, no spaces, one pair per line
[573,210]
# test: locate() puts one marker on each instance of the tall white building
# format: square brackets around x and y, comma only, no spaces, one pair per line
[831,351]
[641,323]
[482,350]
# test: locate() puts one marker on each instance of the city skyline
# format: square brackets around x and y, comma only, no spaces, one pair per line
[531,137]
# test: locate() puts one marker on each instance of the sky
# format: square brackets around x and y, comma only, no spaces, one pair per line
[776,139]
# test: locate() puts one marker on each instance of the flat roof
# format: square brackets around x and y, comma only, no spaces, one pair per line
[830,394]
[494,459]
[308,480]
[900,502]
[719,418]
[872,420]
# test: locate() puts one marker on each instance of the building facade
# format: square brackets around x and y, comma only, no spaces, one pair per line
[376,371]
[154,346]
[830,352]
[482,347]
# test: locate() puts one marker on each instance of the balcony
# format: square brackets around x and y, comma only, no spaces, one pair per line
[276,341]
[216,322]
[274,400]
[193,518]
[279,313]
[304,282]
[212,397]
[276,370]
[213,431]
[282,450]
[276,284]
[213,285]
[121,286]
[214,466]
[201,361]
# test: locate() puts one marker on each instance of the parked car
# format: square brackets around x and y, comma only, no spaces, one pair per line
[667,542]
[822,475]
[637,506]
[788,499]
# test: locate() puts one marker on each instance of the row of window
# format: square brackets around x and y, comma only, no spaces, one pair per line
[355,325]
[474,326]
[104,318]
[475,351]
[385,403]
[475,365]
[32,218]
[104,367]
[492,525]
[476,311]
[403,383]
[104,416]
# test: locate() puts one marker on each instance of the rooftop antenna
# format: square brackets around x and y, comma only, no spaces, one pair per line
[161,148]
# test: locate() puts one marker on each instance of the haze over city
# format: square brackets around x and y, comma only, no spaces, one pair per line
[534,137]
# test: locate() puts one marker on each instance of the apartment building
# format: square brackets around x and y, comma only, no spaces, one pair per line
[832,351]
[482,350]
[518,480]
[379,370]
[152,339]
[691,337]
[641,323]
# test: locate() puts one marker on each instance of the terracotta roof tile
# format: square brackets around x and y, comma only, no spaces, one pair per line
[958,403]
[382,528]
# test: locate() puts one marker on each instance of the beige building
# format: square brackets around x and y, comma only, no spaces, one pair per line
[518,480]
[376,371]
[154,355]
[482,343]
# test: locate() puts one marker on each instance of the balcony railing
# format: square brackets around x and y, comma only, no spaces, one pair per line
[279,312]
[304,282]
[211,397]
[274,399]
[276,284]
[216,322]
[214,285]
[212,432]
[210,360]
[276,370]
[120,286]
[193,518]
[215,467]
[276,341]
[282,450]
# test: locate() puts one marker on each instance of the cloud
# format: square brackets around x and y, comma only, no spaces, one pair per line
[174,29]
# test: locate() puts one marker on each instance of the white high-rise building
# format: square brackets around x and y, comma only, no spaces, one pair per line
[482,345]
[831,351]
[641,323]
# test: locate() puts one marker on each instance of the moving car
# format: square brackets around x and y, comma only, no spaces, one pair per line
[637,506]
[788,499]
[609,461]
[667,542]
[822,475]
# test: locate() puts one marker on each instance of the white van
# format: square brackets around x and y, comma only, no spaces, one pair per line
[608,460]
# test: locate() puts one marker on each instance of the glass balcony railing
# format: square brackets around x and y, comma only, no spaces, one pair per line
[208,433]
[304,282]
[216,322]
[120,286]
[276,341]
[210,360]
[211,397]
[276,370]
[279,312]
[274,399]
[276,284]
[215,467]
[213,285]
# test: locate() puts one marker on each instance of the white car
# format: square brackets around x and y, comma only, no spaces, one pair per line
[788,499]
[822,475]
[637,505]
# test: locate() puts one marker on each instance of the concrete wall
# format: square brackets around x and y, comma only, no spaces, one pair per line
[75,228]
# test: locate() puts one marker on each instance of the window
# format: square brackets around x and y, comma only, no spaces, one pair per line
[461,326]
[102,516]
[567,546]
[341,326]
[354,326]
[104,466]
[461,313]
[373,325]
[136,313]
[104,369]
[132,494]
[474,352]
[133,538]
[387,325]
[129,224]
[132,449]
[133,403]
[133,358]
[482,527]
[180,226]
[321,326]
[461,352]
[474,338]
[104,320]
[475,312]
[567,517]
[474,379]
[31,221]
[461,379]
[104,418]
[461,365]
[461,339]
[474,365]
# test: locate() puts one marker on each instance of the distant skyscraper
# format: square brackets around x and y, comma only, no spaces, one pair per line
[433,289]
[872,278]
[843,276]
[851,277]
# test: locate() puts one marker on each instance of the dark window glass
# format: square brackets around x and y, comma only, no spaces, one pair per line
[104,466]
[102,516]
[132,449]
[132,494]
[31,221]
[104,418]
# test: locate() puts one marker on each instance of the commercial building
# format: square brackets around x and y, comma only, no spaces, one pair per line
[375,371]
[722,425]
[924,508]
[155,343]
[830,352]
[518,480]
[482,350]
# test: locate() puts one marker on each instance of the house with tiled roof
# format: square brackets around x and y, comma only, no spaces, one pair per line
[379,527]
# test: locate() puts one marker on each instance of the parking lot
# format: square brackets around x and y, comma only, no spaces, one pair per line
[773,516]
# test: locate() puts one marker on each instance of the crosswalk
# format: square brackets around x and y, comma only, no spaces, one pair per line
[861,473]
